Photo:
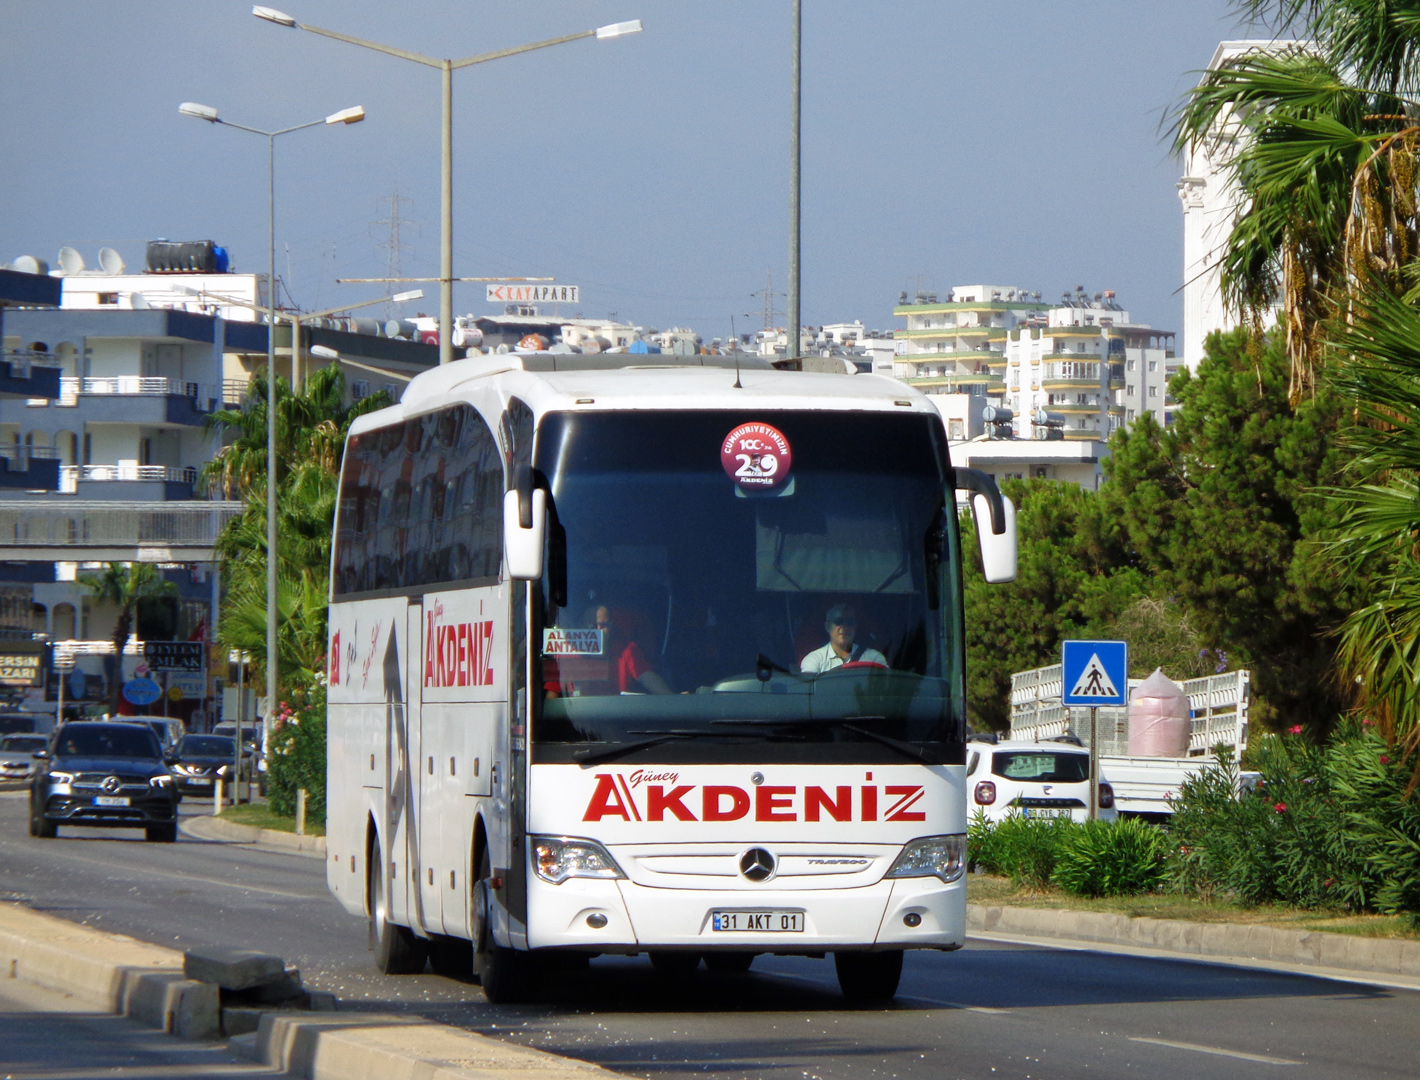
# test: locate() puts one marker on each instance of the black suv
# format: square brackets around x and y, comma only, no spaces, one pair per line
[105,774]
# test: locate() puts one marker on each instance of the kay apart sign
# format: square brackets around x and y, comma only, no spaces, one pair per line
[756,456]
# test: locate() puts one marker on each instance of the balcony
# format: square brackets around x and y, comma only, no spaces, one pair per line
[25,374]
[29,468]
[146,400]
[100,531]
[161,482]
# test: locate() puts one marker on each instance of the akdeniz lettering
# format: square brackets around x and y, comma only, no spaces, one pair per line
[639,798]
[457,653]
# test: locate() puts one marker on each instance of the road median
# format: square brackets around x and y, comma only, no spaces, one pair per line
[118,974]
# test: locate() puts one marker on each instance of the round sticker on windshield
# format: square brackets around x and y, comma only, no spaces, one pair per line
[756,456]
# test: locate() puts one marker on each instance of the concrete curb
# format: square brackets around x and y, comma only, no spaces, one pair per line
[1314,950]
[144,982]
[354,1045]
[109,972]
[207,827]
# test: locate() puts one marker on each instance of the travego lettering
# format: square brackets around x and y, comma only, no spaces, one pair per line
[614,797]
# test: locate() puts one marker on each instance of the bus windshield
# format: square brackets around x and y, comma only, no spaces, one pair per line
[690,614]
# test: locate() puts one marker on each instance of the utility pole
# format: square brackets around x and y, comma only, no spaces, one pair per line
[394,246]
[792,342]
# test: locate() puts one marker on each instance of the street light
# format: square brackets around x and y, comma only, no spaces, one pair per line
[208,113]
[446,175]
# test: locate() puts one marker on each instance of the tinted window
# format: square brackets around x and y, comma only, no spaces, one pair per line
[206,746]
[1042,766]
[421,503]
[93,740]
[25,744]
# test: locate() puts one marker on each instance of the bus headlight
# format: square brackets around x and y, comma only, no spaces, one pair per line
[932,856]
[557,858]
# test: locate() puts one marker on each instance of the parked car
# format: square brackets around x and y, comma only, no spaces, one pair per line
[104,773]
[1033,779]
[15,760]
[202,760]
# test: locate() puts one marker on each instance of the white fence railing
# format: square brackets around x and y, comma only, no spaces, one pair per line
[72,388]
[70,475]
[1219,705]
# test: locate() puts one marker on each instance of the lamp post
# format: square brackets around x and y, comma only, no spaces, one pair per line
[792,345]
[208,113]
[446,164]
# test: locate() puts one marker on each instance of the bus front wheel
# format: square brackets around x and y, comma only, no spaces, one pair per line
[506,975]
[868,977]
[397,950]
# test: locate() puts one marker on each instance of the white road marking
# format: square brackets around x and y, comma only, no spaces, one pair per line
[1215,1050]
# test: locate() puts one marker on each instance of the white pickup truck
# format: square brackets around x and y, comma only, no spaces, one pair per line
[1142,785]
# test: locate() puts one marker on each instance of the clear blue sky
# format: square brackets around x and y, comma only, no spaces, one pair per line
[1014,142]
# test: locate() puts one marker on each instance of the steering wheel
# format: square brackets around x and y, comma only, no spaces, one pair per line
[861,664]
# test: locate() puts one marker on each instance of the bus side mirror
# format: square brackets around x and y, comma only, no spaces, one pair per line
[998,550]
[522,544]
[995,517]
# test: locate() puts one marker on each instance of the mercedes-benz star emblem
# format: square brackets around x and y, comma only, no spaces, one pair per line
[757,864]
[111,784]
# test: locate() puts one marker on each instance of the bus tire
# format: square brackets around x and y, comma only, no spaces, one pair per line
[868,977]
[506,975]
[674,963]
[729,963]
[451,957]
[397,950]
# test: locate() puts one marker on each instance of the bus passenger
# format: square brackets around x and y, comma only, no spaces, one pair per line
[841,625]
[627,672]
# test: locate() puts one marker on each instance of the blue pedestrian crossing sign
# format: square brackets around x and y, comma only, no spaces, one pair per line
[1094,672]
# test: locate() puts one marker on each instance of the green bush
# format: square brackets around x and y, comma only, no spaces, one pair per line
[1327,826]
[297,760]
[1023,849]
[1110,858]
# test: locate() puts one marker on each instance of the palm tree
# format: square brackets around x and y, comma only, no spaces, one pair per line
[311,441]
[125,585]
[1327,133]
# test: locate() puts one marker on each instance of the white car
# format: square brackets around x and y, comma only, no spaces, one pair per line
[15,751]
[1033,779]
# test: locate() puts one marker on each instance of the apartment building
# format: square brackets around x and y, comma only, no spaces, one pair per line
[143,361]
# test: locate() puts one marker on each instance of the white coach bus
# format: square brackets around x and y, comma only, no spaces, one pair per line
[651,659]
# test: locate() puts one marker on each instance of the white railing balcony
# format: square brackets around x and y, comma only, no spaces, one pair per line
[72,388]
[70,475]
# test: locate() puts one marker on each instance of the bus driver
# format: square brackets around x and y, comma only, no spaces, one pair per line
[841,625]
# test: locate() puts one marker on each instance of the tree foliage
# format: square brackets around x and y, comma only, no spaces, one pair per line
[1321,140]
[1071,581]
[1219,511]
[311,430]
[125,585]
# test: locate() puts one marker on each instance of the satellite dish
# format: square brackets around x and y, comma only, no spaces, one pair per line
[70,261]
[28,264]
[110,262]
[138,301]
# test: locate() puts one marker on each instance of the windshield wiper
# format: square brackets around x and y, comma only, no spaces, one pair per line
[847,723]
[664,735]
